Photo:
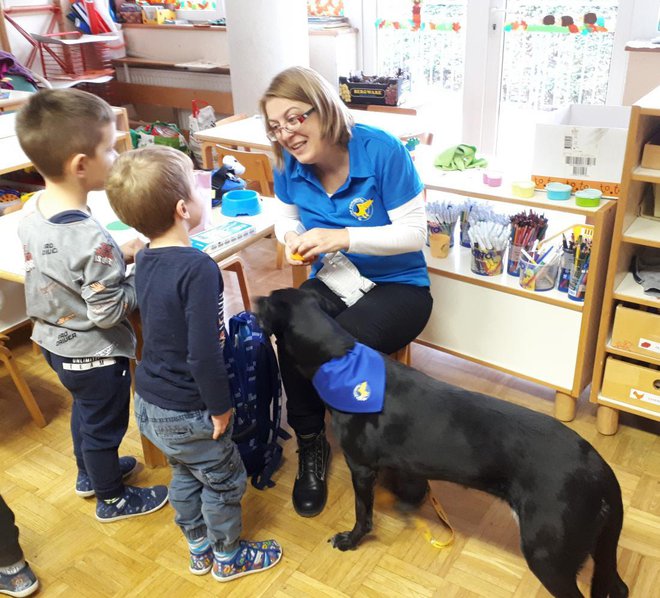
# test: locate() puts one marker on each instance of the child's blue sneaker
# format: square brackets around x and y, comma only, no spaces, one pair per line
[127,466]
[201,564]
[19,584]
[133,503]
[251,557]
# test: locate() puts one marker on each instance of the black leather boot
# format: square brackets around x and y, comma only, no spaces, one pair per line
[310,490]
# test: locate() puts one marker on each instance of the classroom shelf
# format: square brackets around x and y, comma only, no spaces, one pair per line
[457,266]
[632,292]
[630,355]
[643,232]
[647,175]
[621,406]
[632,234]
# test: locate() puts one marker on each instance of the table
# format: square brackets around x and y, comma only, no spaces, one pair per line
[250,133]
[12,260]
[15,100]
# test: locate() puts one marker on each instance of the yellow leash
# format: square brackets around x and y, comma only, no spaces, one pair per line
[442,515]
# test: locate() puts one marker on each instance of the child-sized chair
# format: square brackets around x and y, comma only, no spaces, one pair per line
[21,385]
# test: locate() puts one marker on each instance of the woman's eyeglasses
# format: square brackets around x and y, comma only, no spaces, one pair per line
[293,123]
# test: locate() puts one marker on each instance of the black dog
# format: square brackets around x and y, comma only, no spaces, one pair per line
[566,497]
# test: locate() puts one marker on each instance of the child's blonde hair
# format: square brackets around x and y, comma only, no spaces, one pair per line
[57,124]
[145,185]
[305,85]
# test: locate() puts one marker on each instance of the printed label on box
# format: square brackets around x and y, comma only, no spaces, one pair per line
[648,345]
[647,397]
[214,238]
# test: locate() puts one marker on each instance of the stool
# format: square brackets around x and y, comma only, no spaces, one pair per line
[403,355]
[21,385]
[235,264]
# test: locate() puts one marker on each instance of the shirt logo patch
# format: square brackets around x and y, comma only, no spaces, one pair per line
[361,208]
[103,254]
[362,392]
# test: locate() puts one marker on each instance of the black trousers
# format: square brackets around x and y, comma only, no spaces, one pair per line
[99,418]
[10,551]
[387,318]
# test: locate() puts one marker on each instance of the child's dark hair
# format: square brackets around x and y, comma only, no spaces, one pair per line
[145,185]
[57,124]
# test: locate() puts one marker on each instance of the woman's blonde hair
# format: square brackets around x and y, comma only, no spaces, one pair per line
[305,85]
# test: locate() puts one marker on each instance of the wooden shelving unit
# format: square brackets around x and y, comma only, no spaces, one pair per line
[543,337]
[632,234]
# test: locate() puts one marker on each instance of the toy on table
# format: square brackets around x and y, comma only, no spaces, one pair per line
[227,178]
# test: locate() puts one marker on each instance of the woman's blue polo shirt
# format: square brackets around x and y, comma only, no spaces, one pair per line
[382,176]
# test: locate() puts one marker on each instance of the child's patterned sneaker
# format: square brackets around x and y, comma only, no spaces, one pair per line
[84,488]
[133,503]
[21,583]
[251,557]
[201,564]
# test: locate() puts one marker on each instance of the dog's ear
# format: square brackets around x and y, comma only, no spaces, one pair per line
[264,312]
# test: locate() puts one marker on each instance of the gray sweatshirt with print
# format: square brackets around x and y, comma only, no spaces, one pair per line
[76,289]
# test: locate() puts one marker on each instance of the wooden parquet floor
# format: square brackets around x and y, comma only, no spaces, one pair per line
[74,555]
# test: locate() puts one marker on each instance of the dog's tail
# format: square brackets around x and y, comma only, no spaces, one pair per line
[606,581]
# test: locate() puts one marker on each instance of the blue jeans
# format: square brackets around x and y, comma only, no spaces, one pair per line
[208,476]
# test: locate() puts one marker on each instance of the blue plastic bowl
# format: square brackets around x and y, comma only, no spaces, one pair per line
[241,202]
[558,191]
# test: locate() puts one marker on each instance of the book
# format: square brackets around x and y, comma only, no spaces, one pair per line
[217,237]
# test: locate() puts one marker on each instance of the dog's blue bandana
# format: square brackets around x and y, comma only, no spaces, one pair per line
[354,383]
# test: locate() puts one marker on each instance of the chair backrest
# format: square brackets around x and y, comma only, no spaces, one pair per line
[391,109]
[230,119]
[258,168]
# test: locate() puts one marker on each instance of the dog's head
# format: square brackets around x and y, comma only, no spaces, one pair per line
[308,334]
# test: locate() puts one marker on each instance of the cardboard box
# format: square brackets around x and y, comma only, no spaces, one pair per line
[632,384]
[584,147]
[219,236]
[155,15]
[651,153]
[636,331]
[389,91]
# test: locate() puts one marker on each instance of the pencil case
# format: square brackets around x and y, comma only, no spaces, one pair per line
[523,189]
[538,278]
[588,198]
[558,191]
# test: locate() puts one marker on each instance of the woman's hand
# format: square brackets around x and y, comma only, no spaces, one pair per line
[291,244]
[322,240]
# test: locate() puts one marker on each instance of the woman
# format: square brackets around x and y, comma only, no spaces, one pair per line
[352,190]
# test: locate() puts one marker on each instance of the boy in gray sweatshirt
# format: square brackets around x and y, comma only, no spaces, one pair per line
[77,292]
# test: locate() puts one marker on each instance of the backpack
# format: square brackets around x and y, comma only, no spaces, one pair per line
[256,388]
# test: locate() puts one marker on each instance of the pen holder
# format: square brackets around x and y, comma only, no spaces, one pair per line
[538,278]
[513,261]
[577,286]
[440,244]
[487,263]
[434,228]
[465,238]
[565,268]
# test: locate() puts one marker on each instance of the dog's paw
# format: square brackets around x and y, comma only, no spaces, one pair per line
[343,541]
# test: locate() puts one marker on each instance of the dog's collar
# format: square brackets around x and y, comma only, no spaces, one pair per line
[354,383]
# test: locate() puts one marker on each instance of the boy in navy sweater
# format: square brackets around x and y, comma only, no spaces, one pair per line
[182,401]
[77,293]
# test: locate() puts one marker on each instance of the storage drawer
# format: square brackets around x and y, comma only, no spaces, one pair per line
[636,331]
[632,384]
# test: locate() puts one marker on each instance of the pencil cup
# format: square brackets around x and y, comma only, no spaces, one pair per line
[565,267]
[440,244]
[577,286]
[538,278]
[465,238]
[513,261]
[434,228]
[487,263]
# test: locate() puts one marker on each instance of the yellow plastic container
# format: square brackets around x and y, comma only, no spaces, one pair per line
[523,189]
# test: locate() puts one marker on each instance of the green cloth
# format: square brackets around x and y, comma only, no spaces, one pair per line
[459,157]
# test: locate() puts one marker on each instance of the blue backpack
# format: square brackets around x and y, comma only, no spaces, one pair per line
[256,388]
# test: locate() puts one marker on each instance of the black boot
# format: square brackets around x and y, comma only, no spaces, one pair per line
[310,490]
